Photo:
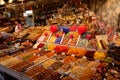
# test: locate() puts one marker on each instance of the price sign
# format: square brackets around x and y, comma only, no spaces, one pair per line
[102,37]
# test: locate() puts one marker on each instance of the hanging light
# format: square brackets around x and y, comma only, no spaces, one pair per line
[2,2]
[10,1]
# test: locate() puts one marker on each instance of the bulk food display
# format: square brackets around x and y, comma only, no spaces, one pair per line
[62,52]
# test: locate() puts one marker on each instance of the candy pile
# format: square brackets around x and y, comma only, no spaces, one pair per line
[73,38]
[79,52]
[59,49]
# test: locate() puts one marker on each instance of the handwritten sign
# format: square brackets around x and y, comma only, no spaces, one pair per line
[102,37]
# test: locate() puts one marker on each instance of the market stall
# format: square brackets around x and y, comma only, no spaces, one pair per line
[74,45]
